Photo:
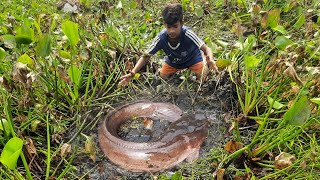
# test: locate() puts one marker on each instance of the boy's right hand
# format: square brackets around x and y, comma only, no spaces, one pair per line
[125,79]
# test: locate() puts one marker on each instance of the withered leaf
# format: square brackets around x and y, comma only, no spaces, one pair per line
[232,146]
[65,149]
[30,147]
[284,160]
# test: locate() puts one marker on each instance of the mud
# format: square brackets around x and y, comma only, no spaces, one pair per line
[212,101]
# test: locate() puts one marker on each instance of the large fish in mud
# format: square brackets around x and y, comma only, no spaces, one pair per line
[180,142]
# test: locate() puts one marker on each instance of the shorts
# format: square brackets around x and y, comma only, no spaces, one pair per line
[168,70]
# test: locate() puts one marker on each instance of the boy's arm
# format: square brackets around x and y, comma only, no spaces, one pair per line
[209,57]
[141,62]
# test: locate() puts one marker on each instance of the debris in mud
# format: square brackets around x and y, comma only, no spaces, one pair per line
[135,130]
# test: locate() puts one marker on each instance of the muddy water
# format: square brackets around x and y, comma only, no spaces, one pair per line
[211,102]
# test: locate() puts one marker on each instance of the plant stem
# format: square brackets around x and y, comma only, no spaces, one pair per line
[48,148]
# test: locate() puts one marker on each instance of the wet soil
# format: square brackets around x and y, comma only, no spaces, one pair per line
[212,100]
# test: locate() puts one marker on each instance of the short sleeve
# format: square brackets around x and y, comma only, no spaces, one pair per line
[193,37]
[155,46]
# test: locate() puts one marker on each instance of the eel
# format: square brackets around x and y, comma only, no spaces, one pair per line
[181,141]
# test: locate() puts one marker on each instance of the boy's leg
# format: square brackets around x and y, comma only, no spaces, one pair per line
[200,69]
[167,70]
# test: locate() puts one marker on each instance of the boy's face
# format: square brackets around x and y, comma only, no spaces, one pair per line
[174,30]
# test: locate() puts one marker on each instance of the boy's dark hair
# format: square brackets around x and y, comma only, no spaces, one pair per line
[172,13]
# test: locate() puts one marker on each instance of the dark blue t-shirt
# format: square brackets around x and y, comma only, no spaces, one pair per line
[185,54]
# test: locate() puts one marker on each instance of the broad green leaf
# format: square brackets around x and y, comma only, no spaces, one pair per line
[143,28]
[316,100]
[3,30]
[22,39]
[70,29]
[44,46]
[4,125]
[282,42]
[276,104]
[273,18]
[133,4]
[280,29]
[11,152]
[250,42]
[24,35]
[251,61]
[299,112]
[300,22]
[222,63]
[2,53]
[9,41]
[199,11]
[65,54]
[74,74]
[25,59]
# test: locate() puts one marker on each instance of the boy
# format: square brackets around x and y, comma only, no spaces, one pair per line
[181,45]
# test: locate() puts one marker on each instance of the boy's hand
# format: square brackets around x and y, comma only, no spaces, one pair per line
[125,79]
[212,66]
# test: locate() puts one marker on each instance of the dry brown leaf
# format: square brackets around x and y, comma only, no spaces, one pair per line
[101,168]
[255,159]
[113,54]
[263,35]
[290,103]
[238,29]
[303,164]
[284,160]
[231,128]
[90,148]
[63,75]
[30,147]
[292,74]
[227,116]
[20,72]
[218,174]
[232,146]
[65,149]
[264,20]
[295,89]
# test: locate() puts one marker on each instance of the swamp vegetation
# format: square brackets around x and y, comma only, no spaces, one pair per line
[60,64]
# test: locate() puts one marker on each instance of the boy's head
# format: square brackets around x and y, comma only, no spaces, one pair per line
[172,13]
